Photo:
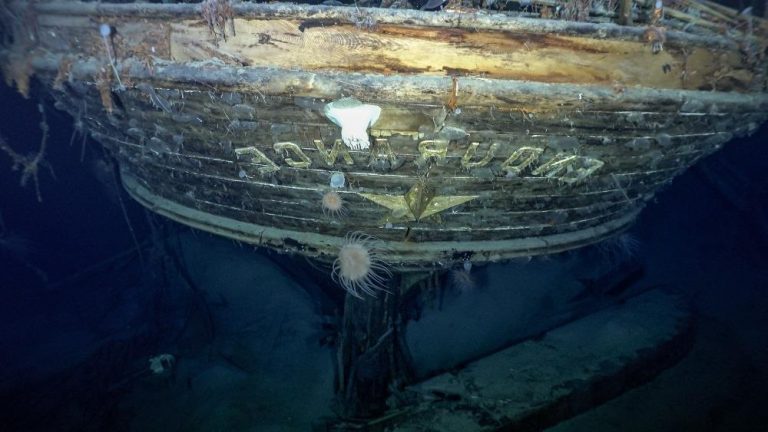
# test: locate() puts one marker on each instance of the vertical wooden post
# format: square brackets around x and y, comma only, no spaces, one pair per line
[625,12]
[370,355]
[363,372]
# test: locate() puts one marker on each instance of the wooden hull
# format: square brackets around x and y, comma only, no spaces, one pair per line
[497,137]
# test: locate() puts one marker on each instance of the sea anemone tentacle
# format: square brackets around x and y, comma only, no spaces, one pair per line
[359,268]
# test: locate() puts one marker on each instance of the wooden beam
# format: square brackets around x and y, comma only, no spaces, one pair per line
[625,12]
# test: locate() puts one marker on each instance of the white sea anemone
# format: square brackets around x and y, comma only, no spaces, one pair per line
[619,249]
[358,267]
[333,205]
[462,280]
[161,363]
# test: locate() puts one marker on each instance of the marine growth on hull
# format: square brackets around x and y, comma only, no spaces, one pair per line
[443,131]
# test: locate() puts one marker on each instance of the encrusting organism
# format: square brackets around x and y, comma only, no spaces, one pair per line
[17,70]
[620,248]
[17,40]
[162,363]
[333,205]
[30,164]
[461,279]
[216,14]
[354,118]
[656,37]
[358,268]
[106,36]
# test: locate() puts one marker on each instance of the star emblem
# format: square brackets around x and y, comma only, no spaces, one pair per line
[419,202]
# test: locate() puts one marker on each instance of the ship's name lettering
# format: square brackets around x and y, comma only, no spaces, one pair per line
[566,167]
